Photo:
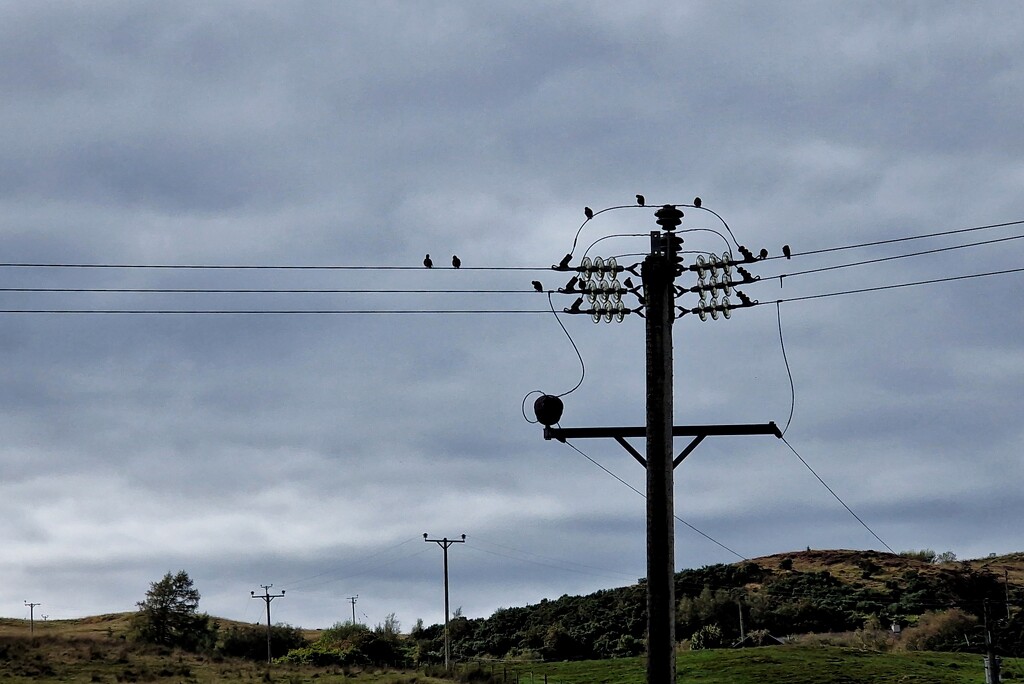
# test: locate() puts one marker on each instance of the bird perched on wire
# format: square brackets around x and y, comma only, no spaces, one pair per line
[696,202]
[640,200]
[456,261]
[427,262]
[787,252]
[588,212]
[537,286]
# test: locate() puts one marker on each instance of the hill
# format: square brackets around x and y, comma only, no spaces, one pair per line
[784,594]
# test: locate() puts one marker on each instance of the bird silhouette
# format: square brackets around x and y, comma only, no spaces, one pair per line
[589,212]
[427,262]
[787,252]
[640,200]
[763,254]
[537,286]
[696,202]
[456,261]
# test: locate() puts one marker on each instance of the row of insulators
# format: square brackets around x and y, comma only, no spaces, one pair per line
[609,312]
[598,268]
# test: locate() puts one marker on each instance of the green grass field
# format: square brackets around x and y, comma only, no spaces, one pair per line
[800,664]
[95,650]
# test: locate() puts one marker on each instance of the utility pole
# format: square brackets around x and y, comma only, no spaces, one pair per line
[1006,586]
[992,663]
[444,544]
[352,600]
[658,276]
[32,616]
[268,597]
[658,272]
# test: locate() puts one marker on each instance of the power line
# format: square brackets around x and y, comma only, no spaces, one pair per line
[896,286]
[832,492]
[262,267]
[698,531]
[274,312]
[899,256]
[905,239]
[181,290]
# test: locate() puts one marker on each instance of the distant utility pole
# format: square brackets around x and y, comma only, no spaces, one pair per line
[352,600]
[598,282]
[268,597]
[32,616]
[444,544]
[992,663]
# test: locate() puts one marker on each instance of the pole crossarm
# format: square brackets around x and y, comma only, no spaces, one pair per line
[698,432]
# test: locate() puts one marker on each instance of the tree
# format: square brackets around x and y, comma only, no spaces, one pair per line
[169,615]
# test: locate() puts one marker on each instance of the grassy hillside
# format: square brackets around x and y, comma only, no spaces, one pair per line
[77,653]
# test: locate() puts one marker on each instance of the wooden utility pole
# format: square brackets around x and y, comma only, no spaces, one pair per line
[661,620]
[444,544]
[352,600]
[32,616]
[268,597]
[658,273]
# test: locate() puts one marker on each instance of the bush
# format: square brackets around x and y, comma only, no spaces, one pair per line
[708,636]
[946,630]
[250,641]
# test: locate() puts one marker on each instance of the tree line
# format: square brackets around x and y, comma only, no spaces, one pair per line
[937,608]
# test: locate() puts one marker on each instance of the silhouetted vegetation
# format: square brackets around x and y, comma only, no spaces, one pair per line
[799,593]
[169,616]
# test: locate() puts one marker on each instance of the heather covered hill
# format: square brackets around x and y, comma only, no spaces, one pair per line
[817,591]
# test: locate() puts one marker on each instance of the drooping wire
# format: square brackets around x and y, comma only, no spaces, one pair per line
[708,230]
[789,372]
[583,366]
[576,239]
[711,211]
[608,237]
[698,531]
[837,498]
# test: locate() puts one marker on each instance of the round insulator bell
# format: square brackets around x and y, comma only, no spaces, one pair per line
[548,409]
[669,217]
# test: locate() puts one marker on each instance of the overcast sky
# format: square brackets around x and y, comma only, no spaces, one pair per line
[311,452]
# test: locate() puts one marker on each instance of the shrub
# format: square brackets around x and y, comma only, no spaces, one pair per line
[946,630]
[708,636]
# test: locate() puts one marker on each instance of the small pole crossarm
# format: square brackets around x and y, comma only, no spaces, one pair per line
[562,434]
[698,432]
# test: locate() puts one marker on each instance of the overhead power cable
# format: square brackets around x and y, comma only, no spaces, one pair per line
[837,498]
[275,312]
[700,532]
[899,256]
[898,285]
[904,239]
[265,267]
[183,290]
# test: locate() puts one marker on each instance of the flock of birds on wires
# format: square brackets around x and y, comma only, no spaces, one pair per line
[717,275]
[593,278]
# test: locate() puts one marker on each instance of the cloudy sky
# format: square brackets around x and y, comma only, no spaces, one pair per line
[312,451]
